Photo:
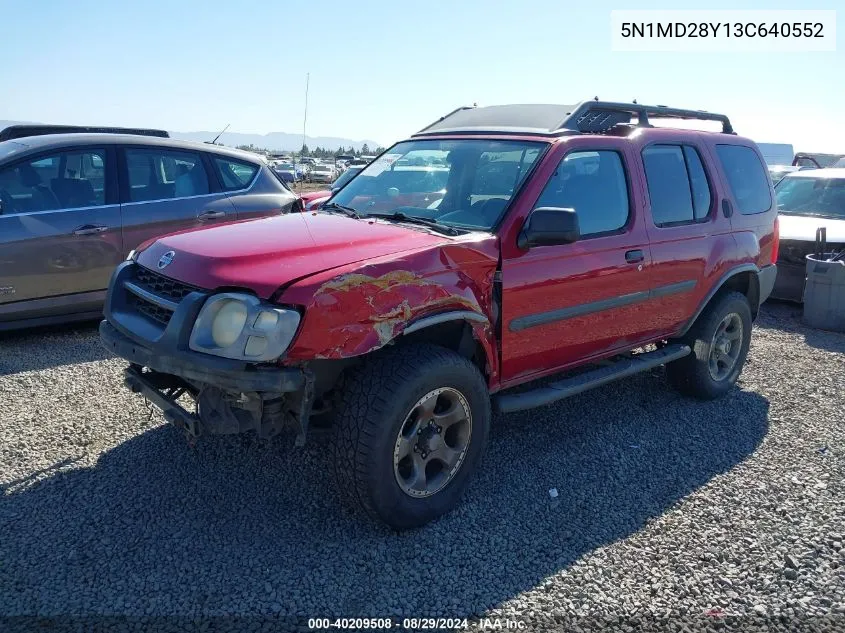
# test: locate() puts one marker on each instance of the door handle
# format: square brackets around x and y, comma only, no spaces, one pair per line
[211,215]
[634,257]
[90,229]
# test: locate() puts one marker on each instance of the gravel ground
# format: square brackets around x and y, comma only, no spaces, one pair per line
[666,507]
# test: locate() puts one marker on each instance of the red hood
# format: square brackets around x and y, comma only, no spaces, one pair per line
[308,196]
[265,254]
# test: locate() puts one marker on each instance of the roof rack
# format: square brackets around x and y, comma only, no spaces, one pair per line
[20,131]
[587,117]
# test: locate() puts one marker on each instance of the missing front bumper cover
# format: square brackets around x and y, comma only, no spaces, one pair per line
[221,413]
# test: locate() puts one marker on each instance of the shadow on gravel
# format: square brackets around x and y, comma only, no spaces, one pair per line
[786,316]
[47,347]
[236,527]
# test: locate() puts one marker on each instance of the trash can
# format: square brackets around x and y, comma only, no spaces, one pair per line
[824,293]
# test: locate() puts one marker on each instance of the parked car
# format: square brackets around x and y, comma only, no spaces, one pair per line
[72,207]
[286,172]
[310,200]
[323,173]
[807,200]
[777,172]
[561,243]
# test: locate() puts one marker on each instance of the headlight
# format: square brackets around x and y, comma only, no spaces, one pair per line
[241,326]
[228,323]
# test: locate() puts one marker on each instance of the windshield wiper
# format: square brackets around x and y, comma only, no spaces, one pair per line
[415,219]
[352,213]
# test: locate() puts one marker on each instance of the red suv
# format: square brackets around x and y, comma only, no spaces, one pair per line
[529,240]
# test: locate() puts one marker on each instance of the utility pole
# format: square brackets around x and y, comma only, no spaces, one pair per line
[304,122]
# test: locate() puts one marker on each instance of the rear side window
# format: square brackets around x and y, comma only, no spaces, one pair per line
[748,180]
[594,184]
[164,174]
[234,173]
[677,184]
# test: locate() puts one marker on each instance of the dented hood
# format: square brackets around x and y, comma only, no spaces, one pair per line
[264,254]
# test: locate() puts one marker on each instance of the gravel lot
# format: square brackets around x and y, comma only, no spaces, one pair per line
[666,506]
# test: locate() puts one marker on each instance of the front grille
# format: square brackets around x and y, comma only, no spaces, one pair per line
[150,310]
[160,286]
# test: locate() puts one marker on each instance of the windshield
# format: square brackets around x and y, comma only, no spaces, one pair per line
[811,196]
[464,183]
[346,177]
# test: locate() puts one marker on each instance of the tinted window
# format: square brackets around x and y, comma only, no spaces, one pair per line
[235,174]
[669,188]
[698,183]
[747,178]
[164,174]
[594,184]
[64,180]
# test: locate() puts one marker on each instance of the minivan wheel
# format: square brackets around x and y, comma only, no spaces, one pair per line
[719,340]
[411,429]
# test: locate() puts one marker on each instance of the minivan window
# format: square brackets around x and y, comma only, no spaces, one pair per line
[594,184]
[156,174]
[235,174]
[65,180]
[677,184]
[748,180]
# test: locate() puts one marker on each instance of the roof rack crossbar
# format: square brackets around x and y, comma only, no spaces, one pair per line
[600,116]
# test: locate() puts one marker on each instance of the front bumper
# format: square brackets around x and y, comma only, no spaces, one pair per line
[148,323]
[194,367]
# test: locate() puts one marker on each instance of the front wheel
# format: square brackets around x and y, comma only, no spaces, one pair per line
[719,339]
[411,430]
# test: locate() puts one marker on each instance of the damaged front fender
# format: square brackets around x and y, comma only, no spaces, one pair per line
[364,307]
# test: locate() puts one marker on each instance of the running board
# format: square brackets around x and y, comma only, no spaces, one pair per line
[561,389]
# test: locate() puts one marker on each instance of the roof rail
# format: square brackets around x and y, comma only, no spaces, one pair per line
[600,116]
[20,131]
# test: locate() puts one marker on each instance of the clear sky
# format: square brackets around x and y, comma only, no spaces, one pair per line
[380,69]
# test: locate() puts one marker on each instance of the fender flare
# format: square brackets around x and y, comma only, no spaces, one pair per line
[733,272]
[443,317]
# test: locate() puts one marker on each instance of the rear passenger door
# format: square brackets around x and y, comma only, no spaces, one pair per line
[253,191]
[164,190]
[688,236]
[59,230]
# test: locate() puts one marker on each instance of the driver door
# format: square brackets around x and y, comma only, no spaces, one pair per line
[562,304]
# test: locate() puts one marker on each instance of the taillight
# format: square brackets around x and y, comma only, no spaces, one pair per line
[776,241]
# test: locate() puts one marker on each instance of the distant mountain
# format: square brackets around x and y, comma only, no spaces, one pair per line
[274,140]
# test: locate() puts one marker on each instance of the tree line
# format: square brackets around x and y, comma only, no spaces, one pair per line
[322,152]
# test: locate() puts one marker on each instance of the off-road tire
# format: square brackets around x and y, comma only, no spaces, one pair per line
[377,397]
[691,375]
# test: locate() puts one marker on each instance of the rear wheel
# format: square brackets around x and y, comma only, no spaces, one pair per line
[719,340]
[410,432]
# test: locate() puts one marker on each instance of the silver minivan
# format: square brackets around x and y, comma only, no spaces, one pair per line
[72,207]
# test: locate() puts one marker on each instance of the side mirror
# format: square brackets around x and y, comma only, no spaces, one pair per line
[548,226]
